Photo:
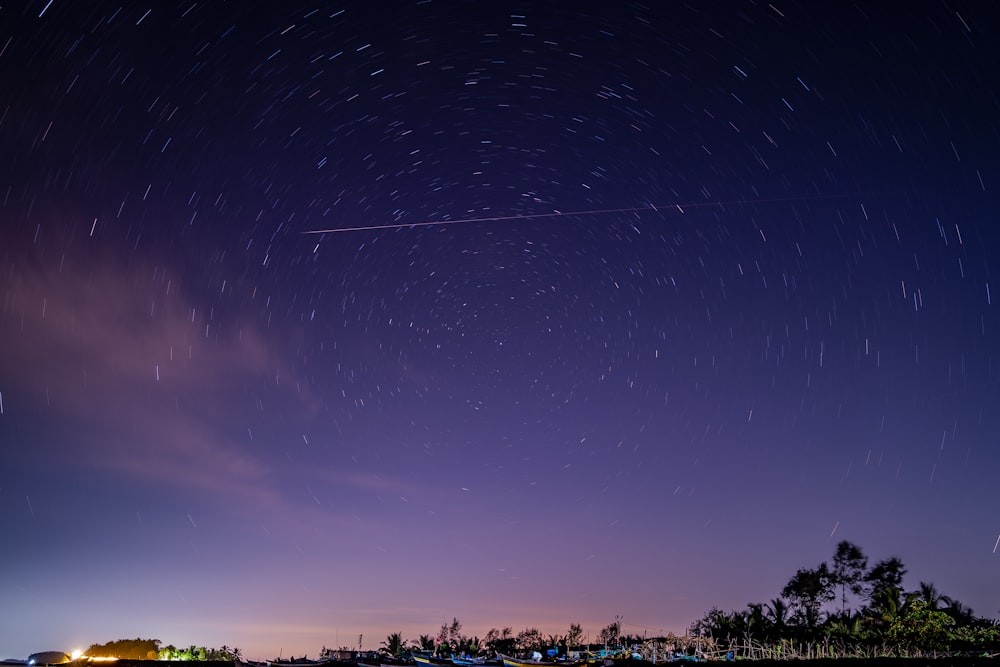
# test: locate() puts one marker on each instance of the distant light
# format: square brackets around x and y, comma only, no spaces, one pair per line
[75,655]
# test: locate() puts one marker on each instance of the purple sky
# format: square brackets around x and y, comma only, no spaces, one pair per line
[216,429]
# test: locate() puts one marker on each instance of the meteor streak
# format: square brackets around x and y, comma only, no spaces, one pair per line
[501,218]
[656,208]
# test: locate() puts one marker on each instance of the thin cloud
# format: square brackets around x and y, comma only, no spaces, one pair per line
[137,374]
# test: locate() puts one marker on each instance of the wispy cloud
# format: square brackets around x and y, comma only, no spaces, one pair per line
[141,376]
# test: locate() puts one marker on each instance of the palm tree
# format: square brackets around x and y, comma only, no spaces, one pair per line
[470,646]
[929,595]
[846,626]
[394,644]
[754,619]
[962,614]
[777,611]
[500,641]
[887,606]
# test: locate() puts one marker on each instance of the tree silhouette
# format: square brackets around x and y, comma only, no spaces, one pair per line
[128,649]
[450,637]
[885,574]
[960,612]
[808,590]
[777,612]
[530,639]
[610,634]
[890,623]
[850,566]
[574,637]
[930,596]
[394,644]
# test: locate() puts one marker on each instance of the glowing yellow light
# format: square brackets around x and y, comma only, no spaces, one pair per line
[75,655]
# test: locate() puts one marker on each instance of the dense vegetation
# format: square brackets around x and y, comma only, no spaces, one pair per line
[149,649]
[846,608]
[127,649]
[451,641]
[839,609]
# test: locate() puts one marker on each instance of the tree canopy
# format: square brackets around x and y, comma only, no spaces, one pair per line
[815,608]
[127,649]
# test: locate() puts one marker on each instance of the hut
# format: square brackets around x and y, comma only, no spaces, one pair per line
[49,658]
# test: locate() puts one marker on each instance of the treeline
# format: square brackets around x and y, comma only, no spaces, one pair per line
[149,649]
[451,641]
[843,608]
[846,608]
[127,649]
[200,653]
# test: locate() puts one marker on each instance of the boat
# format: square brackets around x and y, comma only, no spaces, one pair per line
[519,662]
[466,661]
[431,661]
[454,661]
[297,663]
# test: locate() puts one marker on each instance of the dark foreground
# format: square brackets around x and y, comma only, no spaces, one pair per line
[954,661]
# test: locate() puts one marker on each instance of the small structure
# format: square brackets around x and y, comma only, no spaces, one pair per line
[49,658]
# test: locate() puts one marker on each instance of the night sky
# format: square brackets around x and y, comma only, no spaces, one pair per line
[746,314]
